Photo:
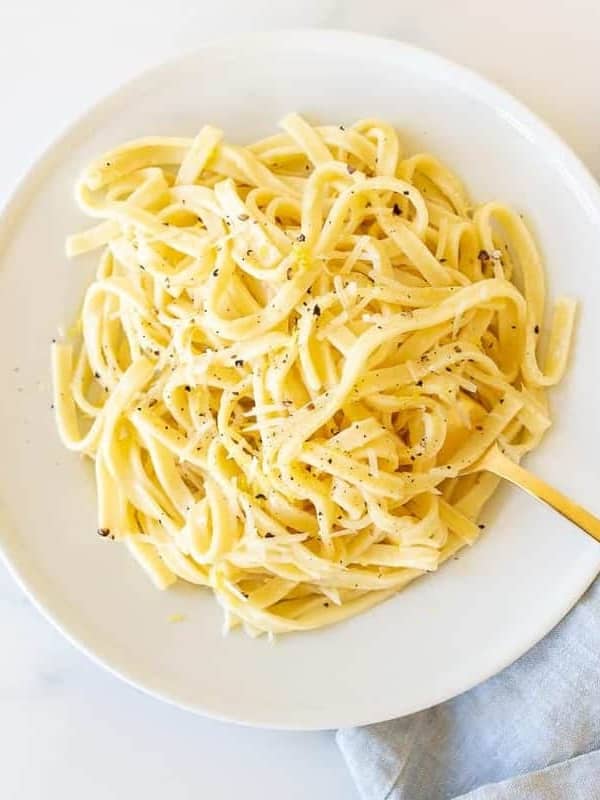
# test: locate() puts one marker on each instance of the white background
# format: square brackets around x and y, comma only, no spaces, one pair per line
[67,729]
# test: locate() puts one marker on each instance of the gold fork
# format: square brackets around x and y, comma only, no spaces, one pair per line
[495,461]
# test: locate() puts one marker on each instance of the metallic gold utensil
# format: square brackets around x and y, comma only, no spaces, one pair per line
[495,461]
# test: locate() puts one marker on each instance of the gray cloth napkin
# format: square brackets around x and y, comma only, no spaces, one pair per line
[530,733]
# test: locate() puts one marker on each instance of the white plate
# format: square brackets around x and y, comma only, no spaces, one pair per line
[446,632]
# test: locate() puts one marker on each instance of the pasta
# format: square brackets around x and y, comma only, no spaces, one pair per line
[291,357]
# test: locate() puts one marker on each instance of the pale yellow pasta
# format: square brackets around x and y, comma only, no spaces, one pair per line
[290,358]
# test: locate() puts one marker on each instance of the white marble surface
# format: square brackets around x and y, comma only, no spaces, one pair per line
[67,729]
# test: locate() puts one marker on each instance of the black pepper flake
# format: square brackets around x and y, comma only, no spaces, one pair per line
[481,526]
[269,535]
[419,383]
[239,362]
[104,532]
[406,192]
[301,237]
[157,352]
[317,311]
[483,255]
[260,496]
[215,273]
[188,388]
[107,163]
[249,252]
[96,374]
[478,427]
[536,329]
[325,605]
[342,128]
[351,169]
[396,210]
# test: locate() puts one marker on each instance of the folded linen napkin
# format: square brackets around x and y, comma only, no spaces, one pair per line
[530,733]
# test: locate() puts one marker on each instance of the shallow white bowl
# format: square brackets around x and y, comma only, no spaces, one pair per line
[446,632]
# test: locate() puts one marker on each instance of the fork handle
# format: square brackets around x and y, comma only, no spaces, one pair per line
[502,466]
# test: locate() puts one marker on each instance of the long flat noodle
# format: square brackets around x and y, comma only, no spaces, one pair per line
[198,155]
[307,138]
[148,558]
[291,357]
[134,156]
[93,238]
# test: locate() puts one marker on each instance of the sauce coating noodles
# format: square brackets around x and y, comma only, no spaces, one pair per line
[290,357]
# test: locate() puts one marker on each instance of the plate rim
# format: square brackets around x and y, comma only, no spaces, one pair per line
[36,169]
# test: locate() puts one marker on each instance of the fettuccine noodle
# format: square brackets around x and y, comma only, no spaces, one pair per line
[290,358]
